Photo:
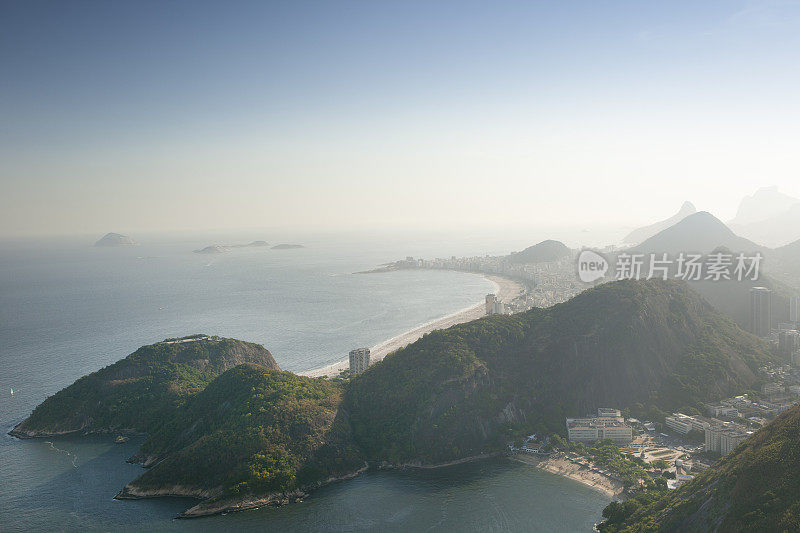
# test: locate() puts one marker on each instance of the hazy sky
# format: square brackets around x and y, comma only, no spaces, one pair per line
[138,116]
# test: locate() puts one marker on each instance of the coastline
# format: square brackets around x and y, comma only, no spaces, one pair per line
[561,466]
[505,289]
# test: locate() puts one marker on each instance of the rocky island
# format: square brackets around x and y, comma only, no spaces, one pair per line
[213,249]
[286,246]
[222,248]
[265,436]
[115,239]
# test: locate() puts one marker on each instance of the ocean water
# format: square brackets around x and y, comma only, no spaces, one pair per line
[67,309]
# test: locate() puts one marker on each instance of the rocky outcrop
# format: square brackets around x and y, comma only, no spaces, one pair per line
[160,374]
[115,239]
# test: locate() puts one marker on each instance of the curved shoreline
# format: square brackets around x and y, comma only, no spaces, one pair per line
[505,289]
[612,488]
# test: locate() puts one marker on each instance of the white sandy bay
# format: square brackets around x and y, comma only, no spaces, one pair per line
[505,289]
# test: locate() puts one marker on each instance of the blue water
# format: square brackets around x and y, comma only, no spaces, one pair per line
[67,309]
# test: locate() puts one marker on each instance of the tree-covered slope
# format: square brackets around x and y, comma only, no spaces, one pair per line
[651,346]
[754,488]
[252,434]
[134,393]
[544,251]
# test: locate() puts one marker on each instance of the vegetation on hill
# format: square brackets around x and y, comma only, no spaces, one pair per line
[786,264]
[703,233]
[253,431]
[649,346]
[227,426]
[754,488]
[545,251]
[136,393]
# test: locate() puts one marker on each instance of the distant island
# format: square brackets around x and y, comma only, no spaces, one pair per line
[213,249]
[115,239]
[222,248]
[287,246]
[452,396]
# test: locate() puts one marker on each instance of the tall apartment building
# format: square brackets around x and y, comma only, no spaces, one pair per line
[491,299]
[794,309]
[760,311]
[359,360]
[723,438]
[788,342]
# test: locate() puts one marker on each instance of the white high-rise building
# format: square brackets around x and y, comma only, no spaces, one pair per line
[359,360]
[794,309]
[491,299]
[760,311]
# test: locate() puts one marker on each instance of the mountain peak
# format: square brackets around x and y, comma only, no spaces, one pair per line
[642,234]
[764,204]
[699,232]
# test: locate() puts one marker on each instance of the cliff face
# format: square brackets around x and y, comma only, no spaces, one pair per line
[648,346]
[132,394]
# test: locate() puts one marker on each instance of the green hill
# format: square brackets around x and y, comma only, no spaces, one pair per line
[133,394]
[227,426]
[649,346]
[754,488]
[543,252]
[254,435]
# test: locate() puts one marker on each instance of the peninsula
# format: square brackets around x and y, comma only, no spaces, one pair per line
[265,436]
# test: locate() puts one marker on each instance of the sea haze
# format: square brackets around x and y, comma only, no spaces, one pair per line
[69,309]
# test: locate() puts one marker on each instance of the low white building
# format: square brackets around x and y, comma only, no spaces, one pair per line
[683,424]
[609,424]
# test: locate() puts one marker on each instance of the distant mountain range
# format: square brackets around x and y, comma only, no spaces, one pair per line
[703,233]
[700,232]
[642,234]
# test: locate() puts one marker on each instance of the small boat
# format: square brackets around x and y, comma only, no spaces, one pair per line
[12,392]
[120,439]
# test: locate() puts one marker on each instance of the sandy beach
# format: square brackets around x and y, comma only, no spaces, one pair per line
[505,289]
[562,466]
